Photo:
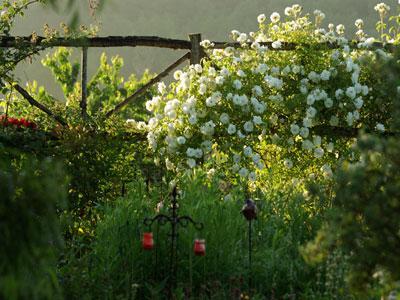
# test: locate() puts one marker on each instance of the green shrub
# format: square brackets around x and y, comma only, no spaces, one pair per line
[99,155]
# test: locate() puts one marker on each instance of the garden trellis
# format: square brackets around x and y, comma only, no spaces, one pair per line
[295,119]
[194,55]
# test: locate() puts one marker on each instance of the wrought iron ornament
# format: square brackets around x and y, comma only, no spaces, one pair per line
[175,221]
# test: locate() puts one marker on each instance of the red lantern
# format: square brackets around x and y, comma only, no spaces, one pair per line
[147,241]
[199,247]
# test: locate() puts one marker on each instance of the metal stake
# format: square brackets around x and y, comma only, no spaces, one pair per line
[250,251]
[249,211]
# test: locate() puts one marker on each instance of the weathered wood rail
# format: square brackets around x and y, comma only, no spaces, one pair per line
[93,42]
[153,41]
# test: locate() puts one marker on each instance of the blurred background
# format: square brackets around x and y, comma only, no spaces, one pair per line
[214,19]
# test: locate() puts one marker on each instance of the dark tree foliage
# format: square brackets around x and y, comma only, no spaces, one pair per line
[32,191]
[365,219]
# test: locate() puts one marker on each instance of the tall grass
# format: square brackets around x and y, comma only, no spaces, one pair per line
[119,267]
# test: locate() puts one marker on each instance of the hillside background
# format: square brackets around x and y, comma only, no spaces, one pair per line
[175,19]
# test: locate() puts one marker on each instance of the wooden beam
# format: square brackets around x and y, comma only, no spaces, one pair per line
[144,88]
[108,41]
[155,41]
[325,130]
[24,93]
[293,46]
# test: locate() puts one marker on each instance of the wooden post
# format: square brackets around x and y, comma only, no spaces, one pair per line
[195,50]
[83,103]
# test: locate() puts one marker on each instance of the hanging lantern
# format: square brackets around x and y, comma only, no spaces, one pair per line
[249,210]
[147,241]
[199,247]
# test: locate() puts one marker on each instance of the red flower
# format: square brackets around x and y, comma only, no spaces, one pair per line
[13,121]
[16,122]
[24,122]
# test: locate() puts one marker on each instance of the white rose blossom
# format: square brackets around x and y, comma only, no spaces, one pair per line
[319,152]
[257,120]
[181,140]
[261,18]
[276,44]
[191,163]
[380,127]
[275,17]
[294,129]
[237,84]
[288,163]
[248,126]
[243,172]
[247,151]
[224,118]
[252,176]
[231,129]
[289,11]
[304,132]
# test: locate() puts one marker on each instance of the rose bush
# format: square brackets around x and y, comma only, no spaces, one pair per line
[244,104]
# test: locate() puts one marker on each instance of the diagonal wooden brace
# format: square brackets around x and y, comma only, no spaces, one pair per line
[144,88]
[24,93]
